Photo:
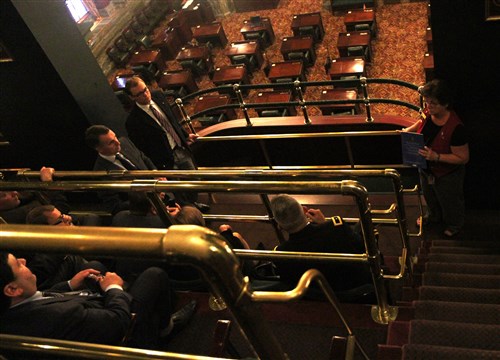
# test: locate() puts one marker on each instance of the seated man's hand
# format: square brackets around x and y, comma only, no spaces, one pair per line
[315,216]
[77,282]
[111,278]
[46,173]
[174,210]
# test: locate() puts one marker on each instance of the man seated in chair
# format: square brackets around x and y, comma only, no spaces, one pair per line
[102,318]
[310,231]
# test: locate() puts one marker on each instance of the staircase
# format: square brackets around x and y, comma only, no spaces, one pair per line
[453,307]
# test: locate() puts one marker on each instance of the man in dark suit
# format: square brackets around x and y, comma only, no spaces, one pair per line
[102,318]
[115,154]
[152,126]
[310,231]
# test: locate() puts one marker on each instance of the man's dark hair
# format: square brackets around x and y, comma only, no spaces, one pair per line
[92,135]
[439,90]
[37,215]
[6,276]
[132,82]
[139,203]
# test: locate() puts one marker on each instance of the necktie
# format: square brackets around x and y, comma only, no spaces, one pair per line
[167,126]
[127,164]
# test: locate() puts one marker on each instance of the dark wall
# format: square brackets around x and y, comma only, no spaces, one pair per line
[466,49]
[39,116]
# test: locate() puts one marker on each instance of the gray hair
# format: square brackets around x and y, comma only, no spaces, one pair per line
[288,213]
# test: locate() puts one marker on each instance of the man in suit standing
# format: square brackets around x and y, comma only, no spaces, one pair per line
[102,318]
[152,126]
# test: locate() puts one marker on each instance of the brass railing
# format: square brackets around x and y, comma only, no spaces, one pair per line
[397,208]
[180,244]
[383,311]
[297,87]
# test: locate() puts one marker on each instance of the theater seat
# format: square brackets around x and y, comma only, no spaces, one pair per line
[312,31]
[273,113]
[358,51]
[196,67]
[261,37]
[305,57]
[248,61]
[119,58]
[147,72]
[176,92]
[212,120]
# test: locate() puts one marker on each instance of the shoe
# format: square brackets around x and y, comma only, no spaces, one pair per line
[179,320]
[451,232]
[204,208]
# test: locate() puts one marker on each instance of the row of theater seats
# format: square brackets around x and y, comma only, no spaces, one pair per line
[136,34]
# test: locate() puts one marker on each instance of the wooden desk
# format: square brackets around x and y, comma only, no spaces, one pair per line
[310,19]
[428,39]
[358,16]
[299,44]
[178,22]
[249,48]
[210,32]
[198,12]
[254,5]
[264,26]
[167,42]
[147,57]
[209,101]
[429,66]
[196,53]
[177,79]
[339,94]
[346,67]
[275,96]
[354,38]
[231,74]
[287,69]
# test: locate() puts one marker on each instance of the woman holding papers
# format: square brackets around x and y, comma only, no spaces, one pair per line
[446,151]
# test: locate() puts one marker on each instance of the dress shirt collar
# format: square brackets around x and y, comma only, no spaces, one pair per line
[36,296]
[112,158]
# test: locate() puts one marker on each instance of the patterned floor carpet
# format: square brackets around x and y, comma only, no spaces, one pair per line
[398,49]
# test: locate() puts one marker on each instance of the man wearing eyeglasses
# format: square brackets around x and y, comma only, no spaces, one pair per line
[51,269]
[153,128]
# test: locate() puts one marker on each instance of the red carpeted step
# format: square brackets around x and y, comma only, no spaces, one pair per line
[463,258]
[389,352]
[456,311]
[461,280]
[461,250]
[460,335]
[398,333]
[442,293]
[458,243]
[419,352]
[457,268]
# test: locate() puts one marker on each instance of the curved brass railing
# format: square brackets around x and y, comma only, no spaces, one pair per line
[297,87]
[346,187]
[181,244]
[397,208]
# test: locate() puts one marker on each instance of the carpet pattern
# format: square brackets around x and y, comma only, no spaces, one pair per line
[398,49]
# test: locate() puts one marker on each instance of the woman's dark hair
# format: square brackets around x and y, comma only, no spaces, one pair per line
[6,276]
[439,90]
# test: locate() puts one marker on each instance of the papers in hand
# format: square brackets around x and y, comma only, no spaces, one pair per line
[410,144]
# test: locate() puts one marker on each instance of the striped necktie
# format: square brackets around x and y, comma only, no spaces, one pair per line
[166,125]
[127,164]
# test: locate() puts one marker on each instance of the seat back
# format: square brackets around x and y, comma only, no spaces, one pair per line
[212,120]
[312,31]
[362,27]
[273,113]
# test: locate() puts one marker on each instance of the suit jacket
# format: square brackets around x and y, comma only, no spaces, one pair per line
[131,152]
[116,202]
[102,320]
[150,137]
